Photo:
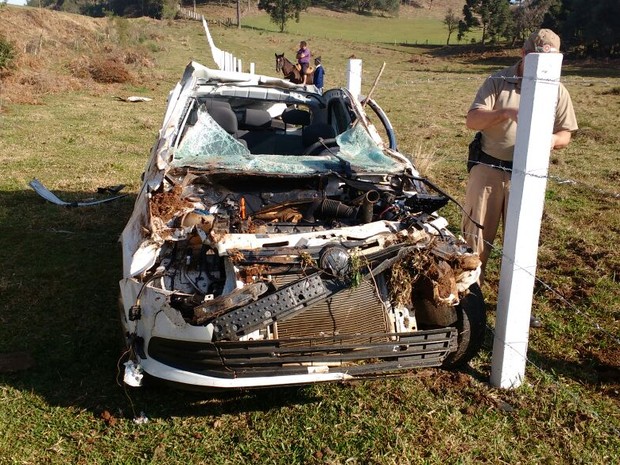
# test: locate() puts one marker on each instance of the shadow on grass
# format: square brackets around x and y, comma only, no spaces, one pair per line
[597,374]
[164,401]
[59,285]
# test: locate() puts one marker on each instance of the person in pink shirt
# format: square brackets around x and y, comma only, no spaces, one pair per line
[303,58]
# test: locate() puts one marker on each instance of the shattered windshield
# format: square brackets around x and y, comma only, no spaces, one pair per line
[207,145]
[358,148]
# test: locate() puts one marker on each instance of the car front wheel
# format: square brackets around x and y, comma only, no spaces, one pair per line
[471,325]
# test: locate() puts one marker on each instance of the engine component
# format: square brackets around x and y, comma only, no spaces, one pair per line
[282,303]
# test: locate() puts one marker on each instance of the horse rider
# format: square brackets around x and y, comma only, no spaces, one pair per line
[303,58]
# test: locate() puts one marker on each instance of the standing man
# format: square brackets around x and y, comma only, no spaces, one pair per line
[494,113]
[319,74]
[303,58]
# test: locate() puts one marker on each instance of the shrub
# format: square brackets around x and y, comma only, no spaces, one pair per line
[109,71]
[7,54]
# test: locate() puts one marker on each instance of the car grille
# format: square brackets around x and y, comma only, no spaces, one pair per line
[347,332]
[234,359]
[349,312]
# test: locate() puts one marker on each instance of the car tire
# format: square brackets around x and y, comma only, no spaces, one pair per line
[471,325]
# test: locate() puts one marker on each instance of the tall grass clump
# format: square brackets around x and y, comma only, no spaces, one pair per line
[7,54]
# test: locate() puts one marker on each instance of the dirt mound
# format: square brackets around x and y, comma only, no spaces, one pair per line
[56,51]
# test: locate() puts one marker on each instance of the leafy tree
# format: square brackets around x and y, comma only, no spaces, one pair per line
[492,15]
[365,7]
[451,20]
[389,6]
[587,28]
[527,17]
[281,11]
[134,8]
[470,20]
[7,52]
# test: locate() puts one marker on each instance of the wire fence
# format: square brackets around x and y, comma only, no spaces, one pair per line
[573,80]
[590,319]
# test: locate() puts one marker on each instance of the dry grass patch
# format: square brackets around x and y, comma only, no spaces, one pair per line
[88,50]
[109,71]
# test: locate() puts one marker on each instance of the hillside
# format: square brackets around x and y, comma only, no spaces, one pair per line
[58,51]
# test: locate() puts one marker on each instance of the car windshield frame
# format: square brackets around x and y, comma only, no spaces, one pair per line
[207,145]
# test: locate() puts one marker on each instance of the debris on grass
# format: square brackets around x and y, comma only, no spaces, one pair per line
[53,198]
[133,99]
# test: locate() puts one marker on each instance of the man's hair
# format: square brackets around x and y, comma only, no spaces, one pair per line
[303,43]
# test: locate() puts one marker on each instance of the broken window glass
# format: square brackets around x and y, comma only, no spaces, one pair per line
[206,142]
[359,149]
[207,145]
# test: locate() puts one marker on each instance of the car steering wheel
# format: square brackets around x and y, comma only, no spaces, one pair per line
[320,144]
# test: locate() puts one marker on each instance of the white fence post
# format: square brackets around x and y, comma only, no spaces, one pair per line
[224,60]
[354,77]
[539,92]
[252,70]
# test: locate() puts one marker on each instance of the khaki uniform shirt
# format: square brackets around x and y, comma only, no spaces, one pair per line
[503,89]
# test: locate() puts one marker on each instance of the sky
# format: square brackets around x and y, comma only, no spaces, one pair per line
[17,2]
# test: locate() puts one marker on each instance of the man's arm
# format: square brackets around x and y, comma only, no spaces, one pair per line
[479,119]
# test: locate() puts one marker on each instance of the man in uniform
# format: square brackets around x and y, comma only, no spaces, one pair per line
[494,113]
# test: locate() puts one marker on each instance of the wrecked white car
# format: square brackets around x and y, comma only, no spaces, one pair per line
[280,239]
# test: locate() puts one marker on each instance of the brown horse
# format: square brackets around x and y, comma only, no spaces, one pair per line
[291,71]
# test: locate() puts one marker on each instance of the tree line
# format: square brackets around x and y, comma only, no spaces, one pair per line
[589,28]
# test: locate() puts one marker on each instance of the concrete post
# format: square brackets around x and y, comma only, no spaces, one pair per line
[539,92]
[354,77]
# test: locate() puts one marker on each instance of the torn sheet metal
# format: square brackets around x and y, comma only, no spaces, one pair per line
[133,374]
[134,99]
[51,197]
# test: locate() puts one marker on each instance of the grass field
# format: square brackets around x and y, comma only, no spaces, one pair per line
[61,266]
[375,29]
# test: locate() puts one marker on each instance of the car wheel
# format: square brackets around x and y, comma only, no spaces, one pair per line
[471,325]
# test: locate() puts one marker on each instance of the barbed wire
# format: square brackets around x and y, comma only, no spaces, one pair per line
[549,376]
[550,288]
[479,78]
[554,178]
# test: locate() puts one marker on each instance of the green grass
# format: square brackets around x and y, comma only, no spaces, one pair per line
[60,271]
[422,31]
